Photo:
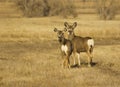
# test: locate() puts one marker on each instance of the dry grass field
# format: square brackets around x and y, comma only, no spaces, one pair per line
[30,54]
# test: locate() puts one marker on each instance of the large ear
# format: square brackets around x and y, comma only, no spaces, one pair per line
[55,29]
[74,24]
[66,24]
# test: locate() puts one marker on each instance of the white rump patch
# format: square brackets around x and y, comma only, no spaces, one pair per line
[90,42]
[64,48]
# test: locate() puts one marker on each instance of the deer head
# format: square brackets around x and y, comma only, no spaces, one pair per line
[60,34]
[70,29]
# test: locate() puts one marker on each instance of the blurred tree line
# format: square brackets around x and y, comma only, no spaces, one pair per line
[106,9]
[37,8]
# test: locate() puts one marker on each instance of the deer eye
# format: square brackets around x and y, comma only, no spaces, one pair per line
[65,29]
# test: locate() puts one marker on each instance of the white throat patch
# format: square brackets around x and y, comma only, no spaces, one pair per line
[64,48]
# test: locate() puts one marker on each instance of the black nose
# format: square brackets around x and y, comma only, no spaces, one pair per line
[70,32]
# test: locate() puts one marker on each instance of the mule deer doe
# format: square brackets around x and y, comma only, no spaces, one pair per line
[80,44]
[66,47]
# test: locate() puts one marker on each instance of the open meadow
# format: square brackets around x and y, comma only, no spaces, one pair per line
[30,54]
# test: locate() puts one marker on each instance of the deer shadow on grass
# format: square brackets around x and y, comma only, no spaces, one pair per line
[6,59]
[84,65]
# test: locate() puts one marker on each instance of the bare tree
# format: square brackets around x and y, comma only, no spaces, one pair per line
[107,9]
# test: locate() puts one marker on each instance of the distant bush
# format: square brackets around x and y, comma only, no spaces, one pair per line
[107,9]
[35,8]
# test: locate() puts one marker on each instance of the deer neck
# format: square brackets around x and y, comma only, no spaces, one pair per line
[62,41]
[71,36]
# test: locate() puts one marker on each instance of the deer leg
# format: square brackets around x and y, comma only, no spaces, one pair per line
[79,63]
[62,55]
[63,64]
[74,59]
[66,62]
[89,59]
[91,53]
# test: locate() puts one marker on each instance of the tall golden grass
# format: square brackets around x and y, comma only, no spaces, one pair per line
[31,57]
[42,28]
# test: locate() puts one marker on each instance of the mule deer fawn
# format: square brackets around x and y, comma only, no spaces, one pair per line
[66,47]
[80,44]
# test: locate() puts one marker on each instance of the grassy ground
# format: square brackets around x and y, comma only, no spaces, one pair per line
[30,55]
[42,28]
